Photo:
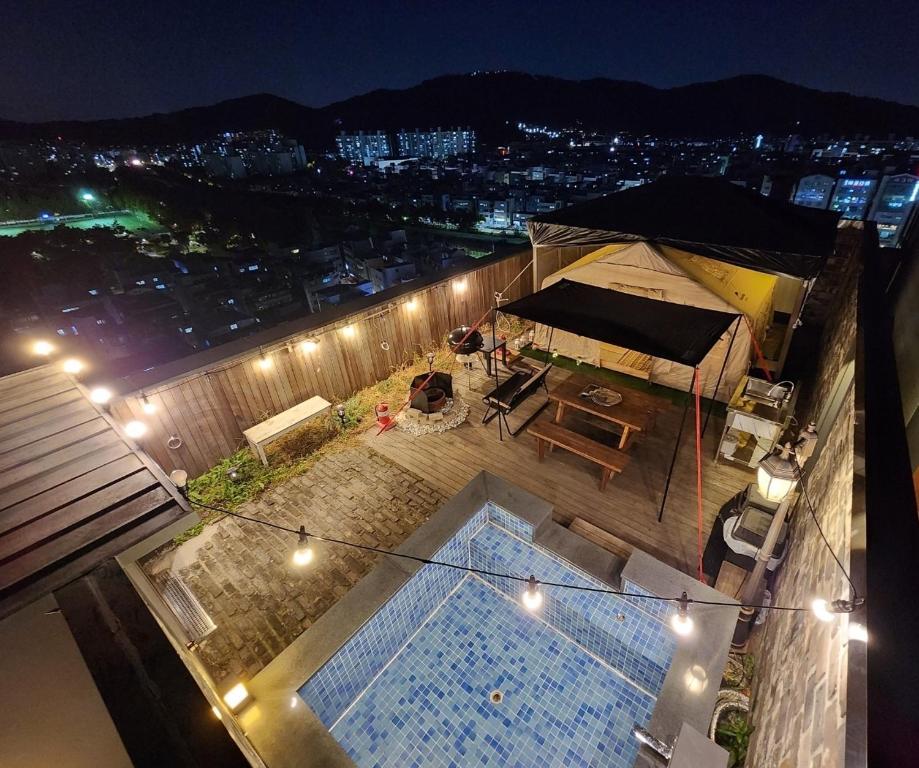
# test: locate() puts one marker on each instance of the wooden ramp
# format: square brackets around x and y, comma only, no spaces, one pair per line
[628,508]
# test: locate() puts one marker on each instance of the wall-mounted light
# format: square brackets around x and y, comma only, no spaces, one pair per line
[777,475]
[135,429]
[100,395]
[237,697]
[73,366]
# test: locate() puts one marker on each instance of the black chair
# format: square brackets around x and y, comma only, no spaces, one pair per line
[510,393]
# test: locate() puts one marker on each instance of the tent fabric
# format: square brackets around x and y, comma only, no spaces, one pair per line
[643,269]
[706,216]
[676,332]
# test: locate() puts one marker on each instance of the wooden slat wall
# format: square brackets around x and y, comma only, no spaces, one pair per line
[209,410]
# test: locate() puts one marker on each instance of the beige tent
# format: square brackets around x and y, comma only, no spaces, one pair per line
[667,274]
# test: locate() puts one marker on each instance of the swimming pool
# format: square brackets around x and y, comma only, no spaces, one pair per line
[414,685]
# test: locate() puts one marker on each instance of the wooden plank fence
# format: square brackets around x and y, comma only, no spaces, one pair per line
[208,408]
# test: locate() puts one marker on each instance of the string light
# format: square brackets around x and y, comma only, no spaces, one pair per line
[43,348]
[72,365]
[264,362]
[681,621]
[100,395]
[460,285]
[309,346]
[532,597]
[146,406]
[135,429]
[411,305]
[349,331]
[303,554]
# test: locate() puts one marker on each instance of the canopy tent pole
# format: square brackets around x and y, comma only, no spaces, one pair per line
[676,447]
[494,349]
[724,365]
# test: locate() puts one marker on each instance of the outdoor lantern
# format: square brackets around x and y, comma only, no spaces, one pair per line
[179,479]
[340,410]
[233,473]
[807,444]
[777,475]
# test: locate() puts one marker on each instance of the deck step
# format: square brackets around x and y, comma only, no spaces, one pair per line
[608,541]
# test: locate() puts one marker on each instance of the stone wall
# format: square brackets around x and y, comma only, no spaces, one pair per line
[799,697]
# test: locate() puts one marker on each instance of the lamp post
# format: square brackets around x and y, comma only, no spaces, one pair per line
[776,478]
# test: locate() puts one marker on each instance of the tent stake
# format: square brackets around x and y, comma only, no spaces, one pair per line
[676,447]
[724,365]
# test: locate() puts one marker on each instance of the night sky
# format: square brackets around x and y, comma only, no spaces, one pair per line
[92,58]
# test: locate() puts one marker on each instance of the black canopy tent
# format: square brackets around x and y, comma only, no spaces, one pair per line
[706,216]
[677,332]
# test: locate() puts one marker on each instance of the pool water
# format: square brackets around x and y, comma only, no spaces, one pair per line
[413,686]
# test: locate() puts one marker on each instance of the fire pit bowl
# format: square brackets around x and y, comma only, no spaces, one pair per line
[437,399]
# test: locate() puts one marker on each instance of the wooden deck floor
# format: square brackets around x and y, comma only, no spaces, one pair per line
[629,505]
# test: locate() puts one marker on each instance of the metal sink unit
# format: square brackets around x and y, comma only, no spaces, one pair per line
[757,415]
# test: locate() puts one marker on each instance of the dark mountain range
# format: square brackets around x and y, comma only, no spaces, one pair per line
[493,103]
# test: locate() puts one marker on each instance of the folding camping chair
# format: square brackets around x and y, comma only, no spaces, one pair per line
[510,393]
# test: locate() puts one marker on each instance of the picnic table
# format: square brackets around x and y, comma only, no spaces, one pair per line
[634,414]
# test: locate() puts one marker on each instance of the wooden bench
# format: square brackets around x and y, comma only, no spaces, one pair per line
[608,541]
[271,429]
[549,433]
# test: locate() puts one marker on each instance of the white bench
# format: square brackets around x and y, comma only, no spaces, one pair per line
[271,429]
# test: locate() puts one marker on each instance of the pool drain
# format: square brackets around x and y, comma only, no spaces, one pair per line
[496,697]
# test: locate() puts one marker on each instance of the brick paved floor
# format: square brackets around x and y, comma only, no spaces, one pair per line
[242,573]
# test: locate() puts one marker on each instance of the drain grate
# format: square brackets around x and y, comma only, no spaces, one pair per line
[496,697]
[193,618]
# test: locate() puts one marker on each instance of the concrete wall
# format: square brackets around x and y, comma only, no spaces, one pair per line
[799,697]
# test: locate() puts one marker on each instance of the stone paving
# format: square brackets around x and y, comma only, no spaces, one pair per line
[242,572]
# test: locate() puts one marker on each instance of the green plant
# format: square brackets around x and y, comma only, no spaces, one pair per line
[733,733]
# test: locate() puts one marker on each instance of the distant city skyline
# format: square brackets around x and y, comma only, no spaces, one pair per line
[97,59]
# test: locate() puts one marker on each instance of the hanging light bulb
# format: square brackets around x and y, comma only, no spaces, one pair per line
[777,475]
[147,407]
[460,285]
[303,554]
[681,621]
[43,348]
[264,362]
[100,395]
[411,305]
[309,345]
[349,331]
[532,596]
[73,366]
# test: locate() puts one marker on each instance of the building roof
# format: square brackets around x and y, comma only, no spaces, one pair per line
[707,216]
[73,490]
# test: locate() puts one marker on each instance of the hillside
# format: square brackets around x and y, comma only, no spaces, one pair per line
[493,103]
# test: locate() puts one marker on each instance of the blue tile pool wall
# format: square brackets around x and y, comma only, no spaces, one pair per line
[636,644]
[430,707]
[509,522]
[339,681]
[660,609]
